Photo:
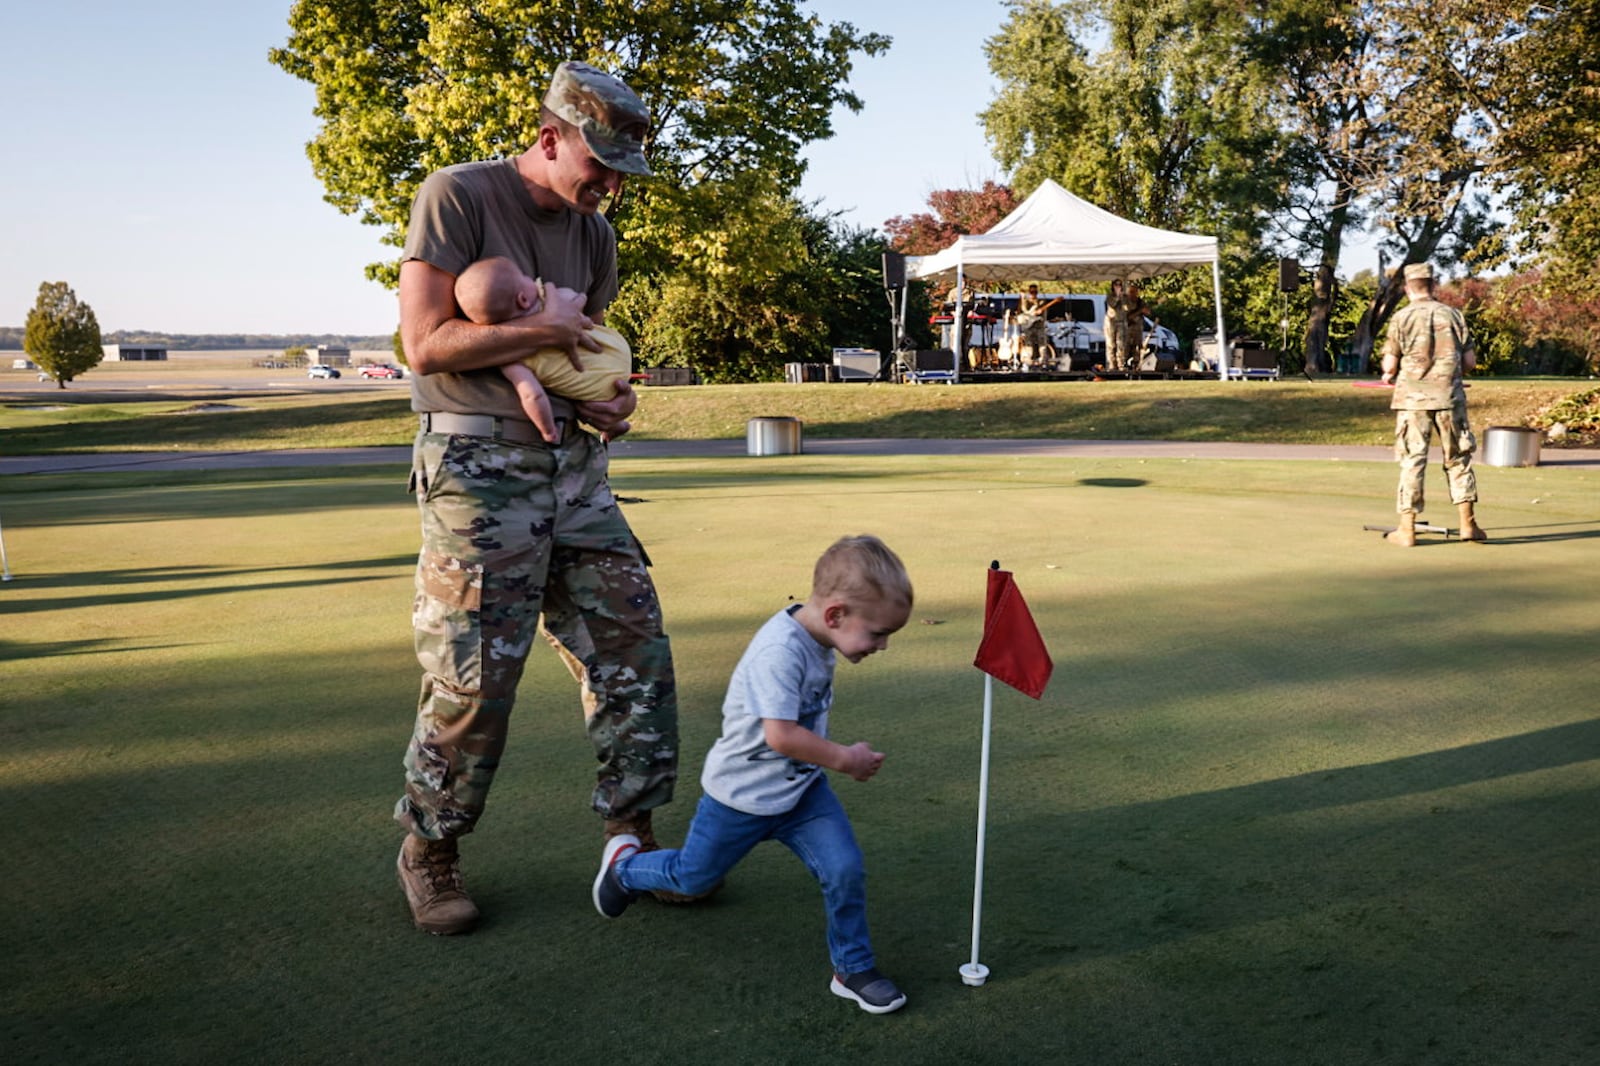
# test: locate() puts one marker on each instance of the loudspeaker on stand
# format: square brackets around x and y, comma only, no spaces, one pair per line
[1288,275]
[894,270]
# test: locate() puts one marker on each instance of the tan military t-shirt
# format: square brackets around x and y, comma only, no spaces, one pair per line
[467,212]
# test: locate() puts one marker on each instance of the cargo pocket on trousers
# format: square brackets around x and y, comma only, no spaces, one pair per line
[446,620]
[425,464]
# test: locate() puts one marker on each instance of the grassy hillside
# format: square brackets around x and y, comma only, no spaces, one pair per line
[1297,411]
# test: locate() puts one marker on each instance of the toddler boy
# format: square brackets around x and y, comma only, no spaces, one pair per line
[763,778]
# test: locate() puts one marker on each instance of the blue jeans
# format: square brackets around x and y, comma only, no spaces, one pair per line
[817,830]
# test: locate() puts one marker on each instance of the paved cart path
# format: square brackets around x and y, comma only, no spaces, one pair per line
[733,448]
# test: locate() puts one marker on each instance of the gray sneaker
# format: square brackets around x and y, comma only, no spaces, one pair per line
[610,898]
[873,992]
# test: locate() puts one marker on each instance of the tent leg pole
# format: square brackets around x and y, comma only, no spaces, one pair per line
[1222,330]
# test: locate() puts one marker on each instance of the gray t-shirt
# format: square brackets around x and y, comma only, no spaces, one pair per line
[471,211]
[786,674]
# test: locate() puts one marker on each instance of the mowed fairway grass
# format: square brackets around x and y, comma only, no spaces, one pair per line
[1293,796]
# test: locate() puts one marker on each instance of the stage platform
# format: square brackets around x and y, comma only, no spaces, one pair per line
[1004,377]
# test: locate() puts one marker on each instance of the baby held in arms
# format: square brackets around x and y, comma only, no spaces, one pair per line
[495,290]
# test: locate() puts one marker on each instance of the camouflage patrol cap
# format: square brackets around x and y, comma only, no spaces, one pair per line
[1419,272]
[611,117]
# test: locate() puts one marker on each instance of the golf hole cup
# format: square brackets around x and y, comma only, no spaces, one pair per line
[974,974]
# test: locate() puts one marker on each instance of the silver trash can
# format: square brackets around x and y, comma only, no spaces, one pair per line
[1511,446]
[773,436]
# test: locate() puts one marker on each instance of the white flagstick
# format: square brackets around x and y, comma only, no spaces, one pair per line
[5,567]
[976,973]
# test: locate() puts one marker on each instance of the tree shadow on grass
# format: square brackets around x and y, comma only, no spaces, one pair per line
[218,580]
[238,811]
[16,649]
[1437,898]
[1507,535]
[38,500]
[283,422]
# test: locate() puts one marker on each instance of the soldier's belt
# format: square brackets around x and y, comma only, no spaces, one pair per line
[494,427]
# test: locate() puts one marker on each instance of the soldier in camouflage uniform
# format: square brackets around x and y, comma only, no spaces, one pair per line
[1114,333]
[1424,356]
[518,521]
[1133,310]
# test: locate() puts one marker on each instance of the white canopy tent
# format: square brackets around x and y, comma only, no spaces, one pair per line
[1055,236]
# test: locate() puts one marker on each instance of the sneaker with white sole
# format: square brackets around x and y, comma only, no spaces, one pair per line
[873,992]
[610,898]
[639,824]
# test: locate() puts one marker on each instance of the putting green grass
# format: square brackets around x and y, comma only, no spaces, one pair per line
[1293,796]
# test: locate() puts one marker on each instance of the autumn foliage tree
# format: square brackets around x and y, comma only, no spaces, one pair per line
[956,213]
[62,334]
[1520,328]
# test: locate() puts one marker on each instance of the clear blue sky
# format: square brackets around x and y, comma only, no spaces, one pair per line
[155,160]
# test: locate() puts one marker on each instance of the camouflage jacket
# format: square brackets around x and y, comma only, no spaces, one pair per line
[1430,339]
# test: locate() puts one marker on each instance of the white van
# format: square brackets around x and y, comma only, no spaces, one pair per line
[23,364]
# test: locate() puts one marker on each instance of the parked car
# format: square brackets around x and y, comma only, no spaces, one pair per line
[381,370]
[1159,338]
[320,371]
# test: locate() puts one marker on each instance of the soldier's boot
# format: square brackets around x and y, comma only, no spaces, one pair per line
[1470,530]
[430,876]
[1406,535]
[639,825]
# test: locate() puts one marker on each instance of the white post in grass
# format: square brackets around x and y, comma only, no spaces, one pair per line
[5,567]
[976,973]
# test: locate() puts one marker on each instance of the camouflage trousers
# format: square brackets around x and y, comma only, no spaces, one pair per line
[510,532]
[1116,354]
[1413,433]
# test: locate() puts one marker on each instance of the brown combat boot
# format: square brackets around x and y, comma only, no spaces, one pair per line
[1470,530]
[430,875]
[1406,535]
[638,824]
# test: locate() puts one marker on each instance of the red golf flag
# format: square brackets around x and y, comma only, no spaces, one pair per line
[1011,649]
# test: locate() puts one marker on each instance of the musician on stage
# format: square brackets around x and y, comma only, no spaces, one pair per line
[1031,320]
[1133,312]
[1116,357]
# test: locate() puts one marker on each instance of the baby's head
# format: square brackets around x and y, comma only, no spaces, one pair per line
[863,594]
[495,289]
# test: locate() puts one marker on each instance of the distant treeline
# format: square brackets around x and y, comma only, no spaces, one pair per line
[11,340]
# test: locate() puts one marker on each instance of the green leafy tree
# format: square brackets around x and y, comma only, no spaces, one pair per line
[1161,124]
[61,333]
[407,86]
[1423,77]
[1311,60]
[760,281]
[1147,110]
[1541,94]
